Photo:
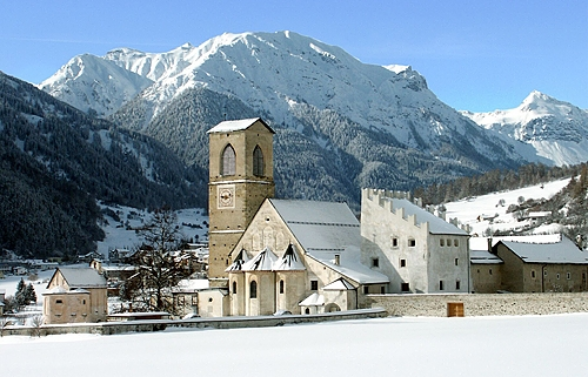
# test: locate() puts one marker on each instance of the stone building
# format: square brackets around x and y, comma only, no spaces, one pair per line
[300,256]
[558,266]
[240,179]
[418,251]
[75,295]
[270,255]
[485,267]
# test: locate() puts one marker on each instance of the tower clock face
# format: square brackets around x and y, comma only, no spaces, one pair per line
[226,197]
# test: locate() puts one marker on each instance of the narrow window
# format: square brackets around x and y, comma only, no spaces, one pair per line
[456,242]
[253,289]
[490,272]
[375,262]
[404,287]
[441,242]
[533,274]
[457,261]
[228,161]
[569,276]
[307,311]
[314,285]
[411,242]
[281,286]
[394,241]
[234,287]
[382,290]
[258,167]
[457,285]
[403,263]
[366,290]
[544,272]
[83,302]
[557,276]
[448,242]
[441,287]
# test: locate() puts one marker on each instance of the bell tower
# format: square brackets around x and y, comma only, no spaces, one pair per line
[240,178]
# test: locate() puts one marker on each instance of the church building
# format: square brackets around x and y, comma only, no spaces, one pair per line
[272,255]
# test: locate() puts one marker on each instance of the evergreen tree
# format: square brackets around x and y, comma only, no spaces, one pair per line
[30,294]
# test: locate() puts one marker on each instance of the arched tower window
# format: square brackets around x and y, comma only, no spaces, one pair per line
[281,286]
[228,161]
[234,287]
[258,168]
[253,289]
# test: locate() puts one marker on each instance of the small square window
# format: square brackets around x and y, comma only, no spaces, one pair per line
[366,290]
[457,285]
[403,263]
[375,262]
[314,285]
[557,276]
[382,290]
[404,287]
[411,242]
[394,241]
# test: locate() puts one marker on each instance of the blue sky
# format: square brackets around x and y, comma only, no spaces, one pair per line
[476,55]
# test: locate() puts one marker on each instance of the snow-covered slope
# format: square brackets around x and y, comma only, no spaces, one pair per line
[557,130]
[488,213]
[89,82]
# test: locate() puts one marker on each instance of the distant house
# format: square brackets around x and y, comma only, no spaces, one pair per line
[75,295]
[557,266]
[536,217]
[418,251]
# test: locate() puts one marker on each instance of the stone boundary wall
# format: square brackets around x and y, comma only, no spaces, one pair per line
[435,305]
[110,328]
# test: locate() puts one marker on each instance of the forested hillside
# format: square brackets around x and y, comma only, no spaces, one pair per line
[56,162]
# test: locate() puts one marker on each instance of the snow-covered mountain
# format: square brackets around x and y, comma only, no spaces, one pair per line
[346,123]
[93,84]
[557,130]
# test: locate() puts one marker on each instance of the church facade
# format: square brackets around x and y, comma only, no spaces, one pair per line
[272,255]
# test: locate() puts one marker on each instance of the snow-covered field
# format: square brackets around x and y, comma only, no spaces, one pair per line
[192,223]
[468,210]
[477,346]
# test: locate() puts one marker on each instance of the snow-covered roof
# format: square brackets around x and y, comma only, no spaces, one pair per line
[266,260]
[339,285]
[237,125]
[484,257]
[436,224]
[82,278]
[564,251]
[326,229]
[313,300]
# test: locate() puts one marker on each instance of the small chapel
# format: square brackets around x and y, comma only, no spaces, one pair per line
[269,255]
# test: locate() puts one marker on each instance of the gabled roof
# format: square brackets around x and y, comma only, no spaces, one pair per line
[339,285]
[264,261]
[562,252]
[237,125]
[290,261]
[326,229]
[238,262]
[436,224]
[81,278]
[313,300]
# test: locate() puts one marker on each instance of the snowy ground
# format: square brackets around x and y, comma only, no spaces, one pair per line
[468,210]
[477,346]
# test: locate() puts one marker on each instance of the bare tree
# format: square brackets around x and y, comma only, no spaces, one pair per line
[36,323]
[160,264]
